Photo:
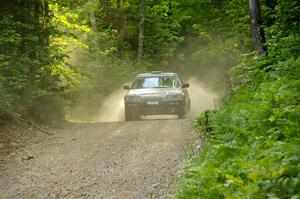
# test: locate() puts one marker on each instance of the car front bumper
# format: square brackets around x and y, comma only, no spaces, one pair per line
[155,108]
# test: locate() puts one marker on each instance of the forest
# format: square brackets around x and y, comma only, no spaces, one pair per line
[61,59]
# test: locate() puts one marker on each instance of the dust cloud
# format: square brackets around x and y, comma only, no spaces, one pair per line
[112,109]
[201,98]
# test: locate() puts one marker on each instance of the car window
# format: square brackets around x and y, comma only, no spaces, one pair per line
[156,82]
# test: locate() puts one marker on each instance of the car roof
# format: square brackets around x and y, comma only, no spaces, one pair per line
[156,73]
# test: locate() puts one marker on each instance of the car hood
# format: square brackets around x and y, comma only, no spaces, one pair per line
[152,92]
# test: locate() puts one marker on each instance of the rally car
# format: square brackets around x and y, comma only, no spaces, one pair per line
[156,93]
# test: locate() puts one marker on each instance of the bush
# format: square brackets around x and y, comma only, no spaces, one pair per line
[252,145]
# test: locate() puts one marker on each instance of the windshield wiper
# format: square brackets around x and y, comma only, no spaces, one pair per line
[161,87]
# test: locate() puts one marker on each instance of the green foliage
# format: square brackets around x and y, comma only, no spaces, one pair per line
[163,26]
[253,148]
[34,72]
[71,51]
[215,34]
[106,63]
[252,144]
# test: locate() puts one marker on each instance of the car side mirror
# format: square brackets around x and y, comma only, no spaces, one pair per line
[126,88]
[185,85]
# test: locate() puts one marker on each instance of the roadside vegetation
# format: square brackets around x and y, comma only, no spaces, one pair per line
[251,145]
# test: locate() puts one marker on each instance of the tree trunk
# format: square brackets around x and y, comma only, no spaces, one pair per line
[22,19]
[46,35]
[46,25]
[92,16]
[258,36]
[141,32]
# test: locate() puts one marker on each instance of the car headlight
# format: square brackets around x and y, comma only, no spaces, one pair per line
[132,98]
[177,95]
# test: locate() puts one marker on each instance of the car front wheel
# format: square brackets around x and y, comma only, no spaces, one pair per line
[181,114]
[129,116]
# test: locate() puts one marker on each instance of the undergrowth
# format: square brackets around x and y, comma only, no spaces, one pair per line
[252,145]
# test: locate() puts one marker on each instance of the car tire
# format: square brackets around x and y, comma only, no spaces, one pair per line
[181,115]
[130,117]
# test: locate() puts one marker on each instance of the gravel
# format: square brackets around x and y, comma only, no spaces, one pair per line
[137,159]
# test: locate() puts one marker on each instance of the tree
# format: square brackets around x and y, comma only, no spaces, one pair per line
[34,73]
[92,16]
[258,36]
[141,32]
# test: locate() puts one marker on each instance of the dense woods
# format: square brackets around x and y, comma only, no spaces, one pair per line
[62,58]
[61,54]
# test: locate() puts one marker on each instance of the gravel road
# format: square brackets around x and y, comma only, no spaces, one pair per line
[106,160]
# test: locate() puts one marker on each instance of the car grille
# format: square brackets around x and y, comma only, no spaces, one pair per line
[156,110]
[152,98]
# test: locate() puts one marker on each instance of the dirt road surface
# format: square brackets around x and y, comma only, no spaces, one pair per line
[110,160]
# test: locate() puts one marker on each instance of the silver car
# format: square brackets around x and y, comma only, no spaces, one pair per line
[156,93]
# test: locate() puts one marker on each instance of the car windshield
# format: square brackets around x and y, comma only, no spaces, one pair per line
[156,82]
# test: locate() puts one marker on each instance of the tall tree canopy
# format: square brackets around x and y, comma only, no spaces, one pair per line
[49,47]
